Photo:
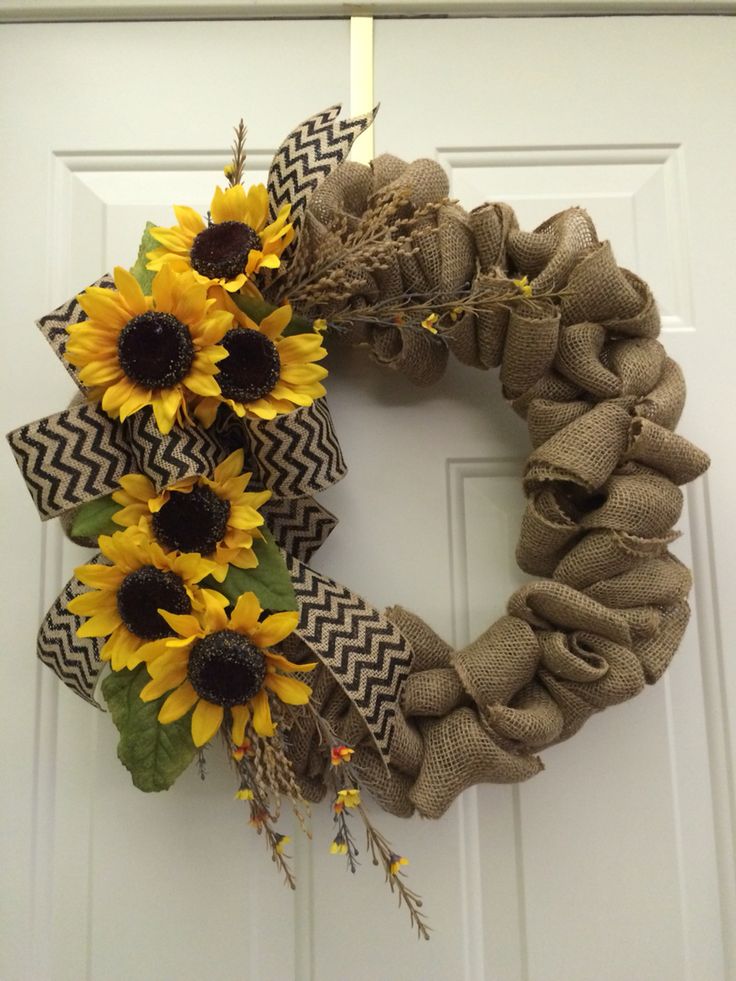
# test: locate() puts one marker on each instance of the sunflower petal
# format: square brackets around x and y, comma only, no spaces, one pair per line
[177,704]
[241,715]
[206,720]
[245,615]
[262,721]
[288,690]
[274,628]
[231,466]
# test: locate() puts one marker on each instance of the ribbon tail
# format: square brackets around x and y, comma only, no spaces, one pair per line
[365,653]
[309,154]
[299,525]
[75,660]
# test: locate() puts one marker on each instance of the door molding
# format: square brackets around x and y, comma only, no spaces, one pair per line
[12,11]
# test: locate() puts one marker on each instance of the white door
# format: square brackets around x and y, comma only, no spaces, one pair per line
[616,863]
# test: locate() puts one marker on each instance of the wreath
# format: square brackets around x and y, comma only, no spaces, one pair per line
[191,458]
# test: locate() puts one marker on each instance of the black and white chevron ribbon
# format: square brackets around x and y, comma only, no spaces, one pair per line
[299,525]
[54,326]
[364,651]
[186,451]
[71,457]
[75,660]
[308,154]
[296,454]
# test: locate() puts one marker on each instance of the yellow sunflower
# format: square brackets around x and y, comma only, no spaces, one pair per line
[265,374]
[136,350]
[222,663]
[236,243]
[125,598]
[212,516]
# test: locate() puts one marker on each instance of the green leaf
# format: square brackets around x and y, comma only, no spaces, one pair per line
[270,580]
[154,754]
[95,518]
[257,308]
[143,275]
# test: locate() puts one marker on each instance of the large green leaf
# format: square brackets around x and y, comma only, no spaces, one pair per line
[257,308]
[95,518]
[143,275]
[270,580]
[154,754]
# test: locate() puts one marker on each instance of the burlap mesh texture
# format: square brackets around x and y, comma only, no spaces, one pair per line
[601,399]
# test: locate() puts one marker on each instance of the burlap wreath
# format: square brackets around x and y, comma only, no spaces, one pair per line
[601,399]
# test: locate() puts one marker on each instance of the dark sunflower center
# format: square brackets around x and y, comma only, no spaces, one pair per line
[225,668]
[221,251]
[155,350]
[193,522]
[252,367]
[142,593]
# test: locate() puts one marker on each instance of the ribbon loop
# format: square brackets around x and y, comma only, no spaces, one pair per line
[71,457]
[296,454]
[54,326]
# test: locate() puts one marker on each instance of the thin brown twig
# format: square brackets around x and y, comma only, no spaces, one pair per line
[236,168]
[384,855]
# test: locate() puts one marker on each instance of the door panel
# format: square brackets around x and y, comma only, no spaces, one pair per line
[615,869]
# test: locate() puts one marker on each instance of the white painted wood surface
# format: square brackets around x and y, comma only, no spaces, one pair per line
[617,862]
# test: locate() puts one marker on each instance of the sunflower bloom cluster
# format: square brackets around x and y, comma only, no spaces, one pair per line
[148,600]
[188,346]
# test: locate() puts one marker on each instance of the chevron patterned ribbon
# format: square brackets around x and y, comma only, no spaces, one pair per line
[71,457]
[299,525]
[186,451]
[75,660]
[296,454]
[54,326]
[308,154]
[363,651]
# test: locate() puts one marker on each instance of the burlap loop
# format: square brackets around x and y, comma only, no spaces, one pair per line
[422,357]
[653,582]
[608,552]
[531,343]
[432,692]
[532,719]
[579,359]
[551,252]
[491,225]
[545,417]
[477,339]
[500,662]
[663,450]
[644,504]
[459,751]
[585,452]
[547,530]
[549,605]
[602,293]
[665,402]
[638,362]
